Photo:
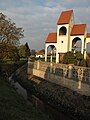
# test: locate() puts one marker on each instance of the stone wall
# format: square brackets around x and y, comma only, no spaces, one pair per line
[74,77]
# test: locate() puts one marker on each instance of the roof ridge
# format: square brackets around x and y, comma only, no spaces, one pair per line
[67,10]
[80,24]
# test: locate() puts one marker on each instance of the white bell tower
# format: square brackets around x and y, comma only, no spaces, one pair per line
[64,27]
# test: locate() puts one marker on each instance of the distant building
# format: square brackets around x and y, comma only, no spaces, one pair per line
[66,37]
[40,54]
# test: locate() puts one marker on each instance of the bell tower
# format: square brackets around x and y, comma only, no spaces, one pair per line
[64,26]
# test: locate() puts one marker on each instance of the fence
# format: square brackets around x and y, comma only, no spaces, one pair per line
[74,77]
[68,71]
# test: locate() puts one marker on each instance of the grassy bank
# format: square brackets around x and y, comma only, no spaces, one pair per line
[14,107]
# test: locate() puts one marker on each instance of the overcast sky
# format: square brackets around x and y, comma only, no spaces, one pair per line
[39,17]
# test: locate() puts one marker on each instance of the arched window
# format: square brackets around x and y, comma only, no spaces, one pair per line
[62,31]
[88,48]
[76,44]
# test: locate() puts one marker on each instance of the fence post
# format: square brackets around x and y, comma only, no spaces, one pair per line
[80,73]
[70,71]
[79,84]
[38,64]
[51,64]
[28,68]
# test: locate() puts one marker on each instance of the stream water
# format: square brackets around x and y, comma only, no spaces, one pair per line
[18,88]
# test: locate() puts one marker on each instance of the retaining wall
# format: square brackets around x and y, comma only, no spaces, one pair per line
[73,77]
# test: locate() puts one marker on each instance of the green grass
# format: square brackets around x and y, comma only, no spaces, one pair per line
[14,107]
[19,63]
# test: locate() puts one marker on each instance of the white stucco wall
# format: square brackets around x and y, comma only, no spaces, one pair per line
[41,56]
[87,40]
[48,44]
[62,47]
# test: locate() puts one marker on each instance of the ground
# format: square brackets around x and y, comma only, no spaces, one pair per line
[14,107]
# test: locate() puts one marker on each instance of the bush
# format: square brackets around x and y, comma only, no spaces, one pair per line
[76,59]
[80,59]
[69,58]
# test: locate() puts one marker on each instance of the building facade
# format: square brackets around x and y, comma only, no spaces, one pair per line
[40,54]
[68,37]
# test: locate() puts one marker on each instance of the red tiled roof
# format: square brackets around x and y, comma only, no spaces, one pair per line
[41,52]
[52,38]
[78,29]
[88,35]
[65,17]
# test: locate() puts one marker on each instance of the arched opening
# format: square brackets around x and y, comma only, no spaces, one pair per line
[88,54]
[76,44]
[62,31]
[51,53]
[88,48]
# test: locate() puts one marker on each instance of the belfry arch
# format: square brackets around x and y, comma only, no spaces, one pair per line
[62,31]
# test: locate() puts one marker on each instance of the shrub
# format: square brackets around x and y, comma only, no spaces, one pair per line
[69,58]
[76,59]
[80,59]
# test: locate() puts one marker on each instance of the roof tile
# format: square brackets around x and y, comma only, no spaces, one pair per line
[51,38]
[41,52]
[78,29]
[65,17]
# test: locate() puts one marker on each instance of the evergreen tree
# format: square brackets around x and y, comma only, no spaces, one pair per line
[24,51]
[27,50]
